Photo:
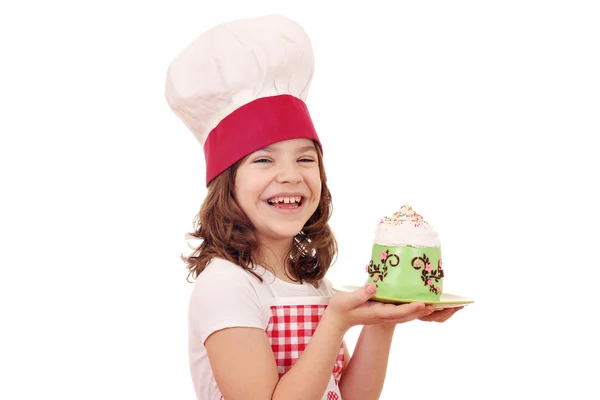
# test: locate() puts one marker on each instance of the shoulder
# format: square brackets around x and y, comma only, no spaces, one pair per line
[223,276]
[224,295]
[219,267]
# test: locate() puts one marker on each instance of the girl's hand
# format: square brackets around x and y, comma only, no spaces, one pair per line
[441,315]
[349,309]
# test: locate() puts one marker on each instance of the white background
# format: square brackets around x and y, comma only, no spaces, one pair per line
[482,115]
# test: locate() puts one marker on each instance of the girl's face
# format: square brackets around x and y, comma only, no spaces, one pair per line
[279,188]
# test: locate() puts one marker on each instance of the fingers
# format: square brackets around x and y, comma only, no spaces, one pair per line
[421,311]
[354,308]
[400,313]
[441,315]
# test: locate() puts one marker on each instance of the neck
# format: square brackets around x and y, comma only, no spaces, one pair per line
[274,255]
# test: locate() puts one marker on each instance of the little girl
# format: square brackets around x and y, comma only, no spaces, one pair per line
[264,322]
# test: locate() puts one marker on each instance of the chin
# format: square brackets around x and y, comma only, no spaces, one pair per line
[282,232]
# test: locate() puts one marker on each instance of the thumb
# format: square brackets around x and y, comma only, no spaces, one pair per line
[363,294]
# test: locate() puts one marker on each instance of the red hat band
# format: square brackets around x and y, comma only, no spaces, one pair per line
[253,126]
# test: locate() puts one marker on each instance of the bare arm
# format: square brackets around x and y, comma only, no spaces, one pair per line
[365,374]
[244,366]
[242,363]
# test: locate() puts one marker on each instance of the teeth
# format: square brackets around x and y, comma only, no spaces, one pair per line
[286,200]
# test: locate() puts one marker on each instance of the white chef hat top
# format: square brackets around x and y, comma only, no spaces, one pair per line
[241,86]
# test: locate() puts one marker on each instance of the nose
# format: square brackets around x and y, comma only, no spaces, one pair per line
[289,172]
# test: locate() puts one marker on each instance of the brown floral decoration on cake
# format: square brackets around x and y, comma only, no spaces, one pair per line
[428,274]
[379,271]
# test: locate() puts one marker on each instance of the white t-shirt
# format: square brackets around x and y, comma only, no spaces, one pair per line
[225,295]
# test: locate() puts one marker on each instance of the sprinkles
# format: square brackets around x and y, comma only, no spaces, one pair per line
[405,216]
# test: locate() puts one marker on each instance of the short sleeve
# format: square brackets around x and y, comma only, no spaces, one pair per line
[223,297]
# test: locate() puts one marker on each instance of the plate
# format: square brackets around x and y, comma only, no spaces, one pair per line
[446,300]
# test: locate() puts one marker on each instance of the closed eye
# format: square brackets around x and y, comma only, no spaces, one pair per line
[306,160]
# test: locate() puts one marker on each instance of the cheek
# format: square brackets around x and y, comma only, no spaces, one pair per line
[249,192]
[314,183]
[241,191]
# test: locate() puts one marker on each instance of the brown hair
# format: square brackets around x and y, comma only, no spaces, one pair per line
[227,233]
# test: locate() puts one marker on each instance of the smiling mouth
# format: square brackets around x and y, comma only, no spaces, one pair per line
[286,202]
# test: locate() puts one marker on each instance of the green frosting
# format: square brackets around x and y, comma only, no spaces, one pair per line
[406,272]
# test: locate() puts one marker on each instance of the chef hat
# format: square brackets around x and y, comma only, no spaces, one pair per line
[241,86]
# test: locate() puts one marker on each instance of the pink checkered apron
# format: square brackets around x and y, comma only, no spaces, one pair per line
[292,323]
